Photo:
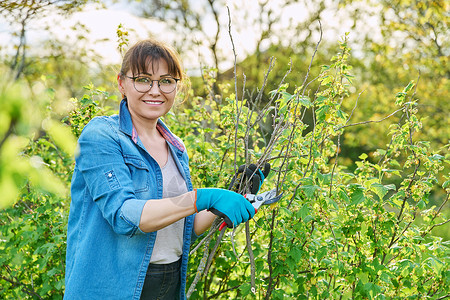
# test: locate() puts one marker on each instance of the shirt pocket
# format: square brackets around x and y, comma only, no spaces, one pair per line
[140,175]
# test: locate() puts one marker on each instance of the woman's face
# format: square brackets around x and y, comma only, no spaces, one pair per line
[150,105]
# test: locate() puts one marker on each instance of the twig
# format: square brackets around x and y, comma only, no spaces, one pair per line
[311,143]
[213,251]
[251,256]
[339,145]
[296,120]
[224,291]
[370,121]
[233,244]
[269,258]
[434,217]
[198,274]
[235,89]
[17,283]
[407,191]
[200,268]
[266,76]
[212,230]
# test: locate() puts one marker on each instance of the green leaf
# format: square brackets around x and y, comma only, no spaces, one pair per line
[322,112]
[335,205]
[305,101]
[320,99]
[322,252]
[341,114]
[324,179]
[245,289]
[433,263]
[326,80]
[357,196]
[344,196]
[286,96]
[364,277]
[381,190]
[409,87]
[304,211]
[446,184]
[61,135]
[295,253]
[309,190]
[421,204]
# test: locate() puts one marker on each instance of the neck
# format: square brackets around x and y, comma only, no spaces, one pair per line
[147,129]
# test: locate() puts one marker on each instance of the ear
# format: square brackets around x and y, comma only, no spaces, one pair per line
[121,85]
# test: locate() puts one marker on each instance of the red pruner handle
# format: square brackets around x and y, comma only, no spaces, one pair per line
[222,226]
[225,224]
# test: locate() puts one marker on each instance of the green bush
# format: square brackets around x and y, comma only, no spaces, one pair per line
[336,233]
[33,230]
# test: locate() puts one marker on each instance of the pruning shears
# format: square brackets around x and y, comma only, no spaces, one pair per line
[265,198]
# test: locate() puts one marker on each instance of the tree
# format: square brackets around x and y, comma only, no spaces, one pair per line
[205,25]
[23,12]
[413,43]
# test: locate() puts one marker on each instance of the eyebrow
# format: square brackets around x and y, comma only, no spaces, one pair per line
[163,75]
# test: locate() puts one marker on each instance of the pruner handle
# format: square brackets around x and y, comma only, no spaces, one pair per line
[224,224]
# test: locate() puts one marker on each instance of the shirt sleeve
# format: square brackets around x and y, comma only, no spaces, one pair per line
[194,236]
[108,178]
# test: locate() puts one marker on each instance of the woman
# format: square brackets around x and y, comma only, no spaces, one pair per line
[134,211]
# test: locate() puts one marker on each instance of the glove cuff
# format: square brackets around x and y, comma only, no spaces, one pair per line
[195,201]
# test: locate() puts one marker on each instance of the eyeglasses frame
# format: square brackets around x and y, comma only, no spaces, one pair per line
[151,84]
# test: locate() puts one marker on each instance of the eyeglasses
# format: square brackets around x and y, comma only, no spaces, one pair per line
[143,84]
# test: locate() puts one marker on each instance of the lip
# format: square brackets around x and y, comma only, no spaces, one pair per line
[153,102]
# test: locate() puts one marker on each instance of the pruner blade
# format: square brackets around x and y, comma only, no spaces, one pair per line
[265,198]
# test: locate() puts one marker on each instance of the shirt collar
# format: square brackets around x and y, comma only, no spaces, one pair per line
[126,125]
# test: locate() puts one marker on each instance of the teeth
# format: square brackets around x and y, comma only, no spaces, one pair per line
[153,102]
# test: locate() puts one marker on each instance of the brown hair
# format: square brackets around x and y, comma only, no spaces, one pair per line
[144,53]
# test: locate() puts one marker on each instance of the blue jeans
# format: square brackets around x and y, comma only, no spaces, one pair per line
[162,282]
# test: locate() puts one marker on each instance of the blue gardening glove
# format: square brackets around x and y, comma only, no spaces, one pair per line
[254,176]
[231,206]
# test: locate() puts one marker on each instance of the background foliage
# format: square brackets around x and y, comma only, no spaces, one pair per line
[358,141]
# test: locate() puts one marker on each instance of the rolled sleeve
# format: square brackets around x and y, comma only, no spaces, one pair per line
[131,213]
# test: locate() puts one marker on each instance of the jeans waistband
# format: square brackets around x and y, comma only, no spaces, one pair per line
[175,266]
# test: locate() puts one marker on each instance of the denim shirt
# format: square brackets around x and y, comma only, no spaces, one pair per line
[107,253]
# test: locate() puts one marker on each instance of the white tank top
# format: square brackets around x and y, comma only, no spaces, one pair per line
[168,246]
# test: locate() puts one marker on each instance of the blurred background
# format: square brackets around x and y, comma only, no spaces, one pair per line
[63,46]
[59,61]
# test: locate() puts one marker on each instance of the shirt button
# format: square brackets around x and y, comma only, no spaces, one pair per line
[109,175]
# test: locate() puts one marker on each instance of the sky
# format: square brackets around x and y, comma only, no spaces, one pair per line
[103,24]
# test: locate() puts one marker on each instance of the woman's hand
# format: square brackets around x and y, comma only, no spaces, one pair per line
[250,176]
[233,207]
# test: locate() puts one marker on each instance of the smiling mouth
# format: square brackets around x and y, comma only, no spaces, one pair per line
[153,102]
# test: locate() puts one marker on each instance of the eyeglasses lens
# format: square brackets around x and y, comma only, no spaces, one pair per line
[143,84]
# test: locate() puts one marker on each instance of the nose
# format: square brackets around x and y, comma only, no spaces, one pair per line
[154,88]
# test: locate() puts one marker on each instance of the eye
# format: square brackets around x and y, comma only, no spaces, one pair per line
[167,80]
[142,79]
